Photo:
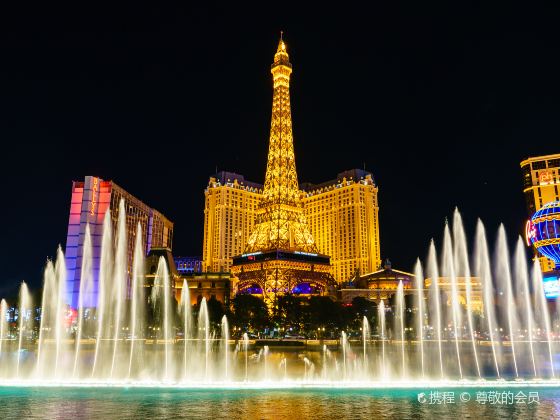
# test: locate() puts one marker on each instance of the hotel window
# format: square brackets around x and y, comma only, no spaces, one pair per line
[538,165]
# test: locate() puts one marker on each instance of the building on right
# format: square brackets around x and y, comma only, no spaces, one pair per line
[343,217]
[541,182]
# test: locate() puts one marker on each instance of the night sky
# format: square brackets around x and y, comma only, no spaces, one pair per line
[440,102]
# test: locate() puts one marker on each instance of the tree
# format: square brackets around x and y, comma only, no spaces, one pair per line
[290,312]
[215,311]
[249,312]
[326,313]
[363,307]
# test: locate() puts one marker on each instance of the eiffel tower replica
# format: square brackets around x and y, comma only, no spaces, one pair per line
[281,256]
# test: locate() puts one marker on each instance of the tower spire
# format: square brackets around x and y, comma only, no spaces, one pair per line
[280,222]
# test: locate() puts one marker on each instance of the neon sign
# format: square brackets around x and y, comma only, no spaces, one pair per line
[93,195]
[530,232]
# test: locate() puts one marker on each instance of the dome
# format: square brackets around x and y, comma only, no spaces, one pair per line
[545,227]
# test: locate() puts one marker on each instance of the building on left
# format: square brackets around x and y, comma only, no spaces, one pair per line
[91,199]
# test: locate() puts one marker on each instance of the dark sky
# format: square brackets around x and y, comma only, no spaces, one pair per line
[441,102]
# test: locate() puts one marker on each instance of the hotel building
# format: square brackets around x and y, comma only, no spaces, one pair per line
[342,215]
[343,218]
[91,199]
[229,216]
[541,184]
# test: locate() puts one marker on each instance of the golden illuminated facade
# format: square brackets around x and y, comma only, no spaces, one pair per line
[343,218]
[280,252]
[541,182]
[229,216]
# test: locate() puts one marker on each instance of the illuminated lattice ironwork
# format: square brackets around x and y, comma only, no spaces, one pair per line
[281,252]
[281,222]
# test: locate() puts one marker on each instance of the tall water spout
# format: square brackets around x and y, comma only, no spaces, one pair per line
[24,321]
[541,304]
[522,291]
[482,268]
[419,280]
[204,334]
[161,296]
[185,308]
[435,304]
[381,320]
[137,296]
[246,348]
[48,315]
[104,293]
[448,270]
[225,338]
[119,281]
[503,277]
[399,320]
[60,328]
[365,338]
[167,319]
[462,267]
[86,288]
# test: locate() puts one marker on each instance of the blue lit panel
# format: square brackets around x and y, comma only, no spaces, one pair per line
[551,285]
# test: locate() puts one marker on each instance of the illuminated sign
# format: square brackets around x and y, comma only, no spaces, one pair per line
[545,177]
[251,254]
[530,232]
[93,195]
[305,253]
[551,286]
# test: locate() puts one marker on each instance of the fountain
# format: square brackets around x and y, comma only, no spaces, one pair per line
[366,336]
[399,325]
[419,280]
[381,317]
[185,308]
[118,339]
[23,321]
[137,300]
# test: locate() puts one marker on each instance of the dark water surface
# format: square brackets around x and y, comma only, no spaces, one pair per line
[302,403]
